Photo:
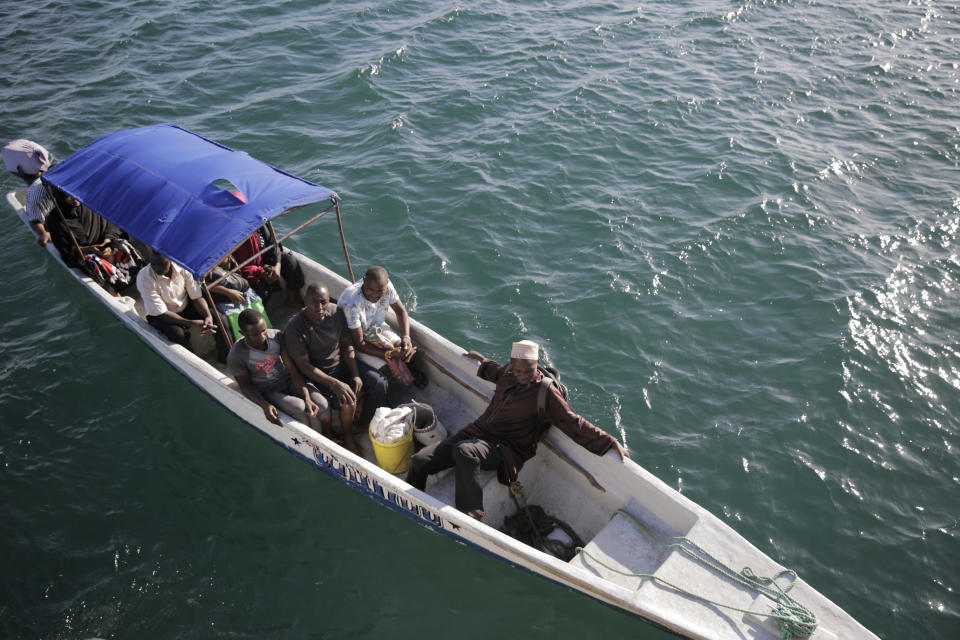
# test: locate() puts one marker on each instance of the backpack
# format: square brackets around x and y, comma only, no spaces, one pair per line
[118,273]
[550,377]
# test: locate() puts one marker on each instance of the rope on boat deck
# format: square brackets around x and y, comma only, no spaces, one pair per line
[795,620]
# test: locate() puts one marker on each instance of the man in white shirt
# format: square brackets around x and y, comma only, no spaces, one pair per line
[173,301]
[365,305]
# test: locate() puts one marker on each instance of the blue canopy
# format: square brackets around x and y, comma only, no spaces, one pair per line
[165,186]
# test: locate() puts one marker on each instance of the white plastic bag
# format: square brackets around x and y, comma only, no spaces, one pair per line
[390,425]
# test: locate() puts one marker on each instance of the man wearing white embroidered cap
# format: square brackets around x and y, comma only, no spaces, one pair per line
[506,434]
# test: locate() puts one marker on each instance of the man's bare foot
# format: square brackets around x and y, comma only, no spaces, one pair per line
[476,514]
[351,445]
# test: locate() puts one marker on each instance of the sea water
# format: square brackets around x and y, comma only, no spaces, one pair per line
[732,225]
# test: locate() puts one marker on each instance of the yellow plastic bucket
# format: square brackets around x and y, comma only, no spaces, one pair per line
[394,458]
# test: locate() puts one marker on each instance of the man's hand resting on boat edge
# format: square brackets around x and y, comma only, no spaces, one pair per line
[619,450]
[270,413]
[473,355]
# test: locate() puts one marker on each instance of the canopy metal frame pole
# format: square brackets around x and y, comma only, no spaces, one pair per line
[343,240]
[224,327]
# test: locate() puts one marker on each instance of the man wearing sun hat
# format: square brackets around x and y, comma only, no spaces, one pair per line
[29,160]
[506,434]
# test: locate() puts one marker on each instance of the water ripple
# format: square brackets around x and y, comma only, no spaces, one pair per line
[732,225]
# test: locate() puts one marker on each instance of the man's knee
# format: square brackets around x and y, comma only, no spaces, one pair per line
[322,405]
[290,270]
[375,383]
[416,473]
[173,332]
[419,459]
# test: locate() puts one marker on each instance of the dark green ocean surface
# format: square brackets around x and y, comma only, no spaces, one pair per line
[733,226]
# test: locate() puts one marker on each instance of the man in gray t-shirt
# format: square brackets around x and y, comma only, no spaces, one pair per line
[320,346]
[257,361]
[321,339]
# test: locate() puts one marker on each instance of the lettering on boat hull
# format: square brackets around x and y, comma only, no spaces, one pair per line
[359,479]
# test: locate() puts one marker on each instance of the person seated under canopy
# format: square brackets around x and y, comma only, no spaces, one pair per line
[74,226]
[264,273]
[232,288]
[173,301]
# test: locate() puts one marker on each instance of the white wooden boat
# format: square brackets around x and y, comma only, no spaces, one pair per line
[646,544]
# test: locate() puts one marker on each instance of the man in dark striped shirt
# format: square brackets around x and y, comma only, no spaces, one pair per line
[29,160]
[39,205]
